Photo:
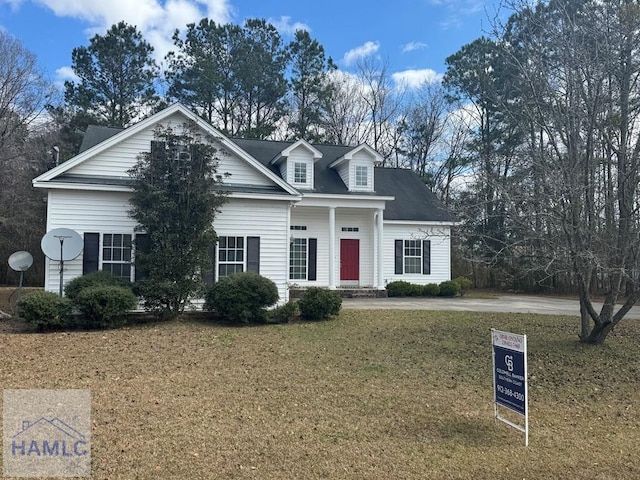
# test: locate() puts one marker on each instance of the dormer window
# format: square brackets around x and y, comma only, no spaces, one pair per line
[362,176]
[296,164]
[300,172]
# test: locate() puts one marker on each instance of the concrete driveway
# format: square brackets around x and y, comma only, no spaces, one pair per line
[502,303]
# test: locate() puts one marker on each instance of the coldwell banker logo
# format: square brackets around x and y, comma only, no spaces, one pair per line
[46,433]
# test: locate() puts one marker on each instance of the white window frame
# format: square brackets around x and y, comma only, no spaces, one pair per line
[409,249]
[300,247]
[360,180]
[300,173]
[227,251]
[115,255]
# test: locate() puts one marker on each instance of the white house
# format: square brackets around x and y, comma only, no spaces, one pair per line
[299,214]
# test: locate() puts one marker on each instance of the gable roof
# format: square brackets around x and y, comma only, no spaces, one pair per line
[113,137]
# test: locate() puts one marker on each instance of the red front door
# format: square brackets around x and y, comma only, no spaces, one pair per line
[349,259]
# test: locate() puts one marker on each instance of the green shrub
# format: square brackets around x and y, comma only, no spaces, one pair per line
[319,303]
[103,306]
[44,310]
[166,298]
[464,283]
[284,313]
[399,288]
[101,277]
[431,290]
[449,288]
[242,298]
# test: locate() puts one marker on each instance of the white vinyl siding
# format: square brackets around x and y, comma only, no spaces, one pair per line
[106,212]
[117,160]
[267,220]
[440,252]
[100,212]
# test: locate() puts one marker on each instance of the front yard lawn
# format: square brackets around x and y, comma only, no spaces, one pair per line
[371,394]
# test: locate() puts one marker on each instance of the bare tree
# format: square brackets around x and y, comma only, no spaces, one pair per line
[24,92]
[345,122]
[23,95]
[578,64]
[383,101]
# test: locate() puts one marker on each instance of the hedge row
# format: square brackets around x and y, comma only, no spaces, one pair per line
[449,288]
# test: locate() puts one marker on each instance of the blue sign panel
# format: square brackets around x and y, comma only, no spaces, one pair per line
[509,379]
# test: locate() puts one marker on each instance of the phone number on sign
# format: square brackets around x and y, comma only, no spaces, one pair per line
[510,393]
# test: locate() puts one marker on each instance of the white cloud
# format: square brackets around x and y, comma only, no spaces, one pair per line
[66,73]
[416,78]
[365,50]
[156,19]
[286,28]
[411,46]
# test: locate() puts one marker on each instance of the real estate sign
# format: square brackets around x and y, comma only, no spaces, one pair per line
[510,376]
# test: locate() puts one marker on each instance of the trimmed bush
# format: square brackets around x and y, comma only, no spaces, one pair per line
[319,303]
[44,310]
[431,290]
[103,278]
[104,306]
[464,283]
[242,298]
[284,313]
[399,288]
[449,288]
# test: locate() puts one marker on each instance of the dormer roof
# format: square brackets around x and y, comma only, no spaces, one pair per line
[349,155]
[284,154]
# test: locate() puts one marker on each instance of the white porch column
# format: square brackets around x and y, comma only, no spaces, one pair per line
[332,248]
[380,250]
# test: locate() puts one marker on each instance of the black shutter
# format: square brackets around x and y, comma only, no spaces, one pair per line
[426,257]
[142,245]
[399,257]
[253,254]
[209,275]
[91,253]
[312,259]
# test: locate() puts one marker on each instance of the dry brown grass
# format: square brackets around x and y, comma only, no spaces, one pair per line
[370,395]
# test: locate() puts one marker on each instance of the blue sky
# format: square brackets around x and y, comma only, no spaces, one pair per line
[413,36]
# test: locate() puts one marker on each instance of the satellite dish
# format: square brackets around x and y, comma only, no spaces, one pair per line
[62,244]
[20,261]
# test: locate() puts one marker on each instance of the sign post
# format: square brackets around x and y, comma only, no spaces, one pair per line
[510,377]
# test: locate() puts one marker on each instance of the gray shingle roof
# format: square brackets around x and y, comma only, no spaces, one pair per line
[96,134]
[413,199]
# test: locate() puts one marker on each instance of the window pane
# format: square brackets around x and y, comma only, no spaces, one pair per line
[412,265]
[116,254]
[298,259]
[230,256]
